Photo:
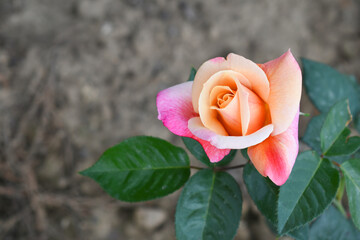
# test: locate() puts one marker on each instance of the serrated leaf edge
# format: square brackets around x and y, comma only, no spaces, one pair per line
[351,179]
[346,124]
[282,233]
[313,217]
[312,176]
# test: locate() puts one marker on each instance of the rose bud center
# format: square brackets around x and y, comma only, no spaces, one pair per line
[233,108]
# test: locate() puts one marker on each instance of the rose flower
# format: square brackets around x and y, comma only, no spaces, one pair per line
[234,103]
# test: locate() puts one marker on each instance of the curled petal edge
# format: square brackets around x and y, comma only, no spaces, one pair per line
[228,142]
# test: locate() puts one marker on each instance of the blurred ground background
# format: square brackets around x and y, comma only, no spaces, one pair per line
[78,76]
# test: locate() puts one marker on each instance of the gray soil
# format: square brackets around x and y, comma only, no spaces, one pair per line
[78,76]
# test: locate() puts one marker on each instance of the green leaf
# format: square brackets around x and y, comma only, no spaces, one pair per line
[333,128]
[326,86]
[301,233]
[226,160]
[357,123]
[339,159]
[310,188]
[351,170]
[197,150]
[141,168]
[209,207]
[192,74]
[312,133]
[245,154]
[312,137]
[344,145]
[332,225]
[263,192]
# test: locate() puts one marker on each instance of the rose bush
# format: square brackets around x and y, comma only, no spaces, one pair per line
[234,103]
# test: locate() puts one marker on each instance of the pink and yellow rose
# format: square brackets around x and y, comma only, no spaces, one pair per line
[234,103]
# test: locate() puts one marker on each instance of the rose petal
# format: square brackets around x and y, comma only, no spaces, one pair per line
[253,111]
[205,71]
[214,154]
[175,108]
[221,96]
[228,142]
[284,75]
[256,76]
[230,116]
[275,157]
[209,115]
[244,109]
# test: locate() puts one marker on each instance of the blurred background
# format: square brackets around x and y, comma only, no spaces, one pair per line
[78,76]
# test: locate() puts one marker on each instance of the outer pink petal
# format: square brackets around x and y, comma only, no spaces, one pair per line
[284,75]
[226,142]
[214,154]
[275,157]
[175,109]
